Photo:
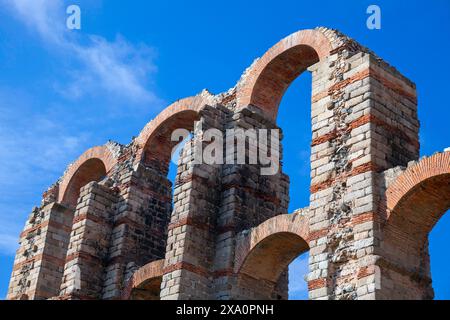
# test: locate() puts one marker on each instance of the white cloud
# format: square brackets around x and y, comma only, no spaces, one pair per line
[298,269]
[12,219]
[39,15]
[37,143]
[9,243]
[304,164]
[118,67]
[34,150]
[33,143]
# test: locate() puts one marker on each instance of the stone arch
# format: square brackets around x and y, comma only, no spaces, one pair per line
[92,165]
[145,283]
[265,252]
[154,142]
[266,81]
[434,168]
[416,201]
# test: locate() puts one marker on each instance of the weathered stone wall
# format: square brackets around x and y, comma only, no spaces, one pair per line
[248,199]
[111,228]
[139,225]
[417,196]
[83,276]
[190,245]
[39,263]
[358,113]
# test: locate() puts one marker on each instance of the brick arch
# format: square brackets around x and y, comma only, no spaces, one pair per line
[153,143]
[416,201]
[92,165]
[267,250]
[264,84]
[427,179]
[148,279]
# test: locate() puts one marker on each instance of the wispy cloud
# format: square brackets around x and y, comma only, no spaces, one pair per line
[8,243]
[34,150]
[118,68]
[298,269]
[34,142]
[39,16]
[304,164]
[39,138]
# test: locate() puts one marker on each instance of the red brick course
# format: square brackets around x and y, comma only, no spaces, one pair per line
[85,169]
[149,271]
[427,168]
[300,49]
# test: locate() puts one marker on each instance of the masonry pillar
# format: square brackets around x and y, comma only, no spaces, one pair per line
[84,268]
[248,198]
[139,225]
[364,120]
[417,197]
[39,262]
[190,246]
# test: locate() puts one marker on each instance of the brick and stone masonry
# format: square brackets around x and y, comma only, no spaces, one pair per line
[111,228]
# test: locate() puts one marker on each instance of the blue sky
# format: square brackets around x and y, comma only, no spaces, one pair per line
[63,91]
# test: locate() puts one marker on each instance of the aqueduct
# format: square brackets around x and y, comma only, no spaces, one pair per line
[111,227]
